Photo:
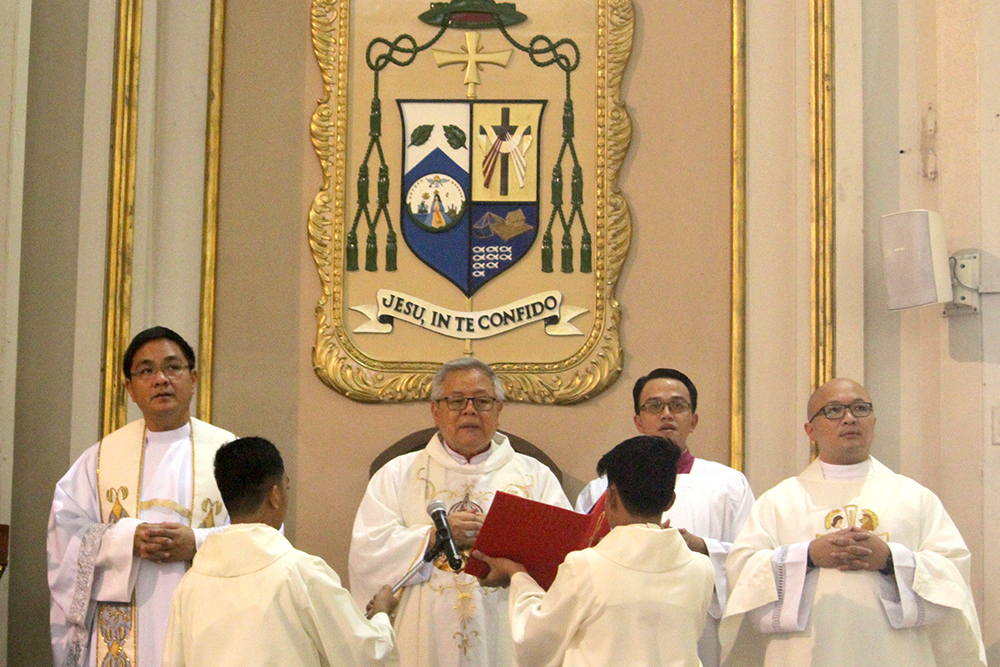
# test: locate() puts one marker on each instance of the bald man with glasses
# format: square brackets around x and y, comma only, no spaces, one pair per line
[446,618]
[849,563]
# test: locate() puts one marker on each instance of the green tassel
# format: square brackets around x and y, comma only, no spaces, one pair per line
[362,186]
[375,118]
[576,187]
[383,185]
[585,253]
[567,254]
[547,253]
[352,251]
[557,186]
[390,251]
[568,122]
[371,253]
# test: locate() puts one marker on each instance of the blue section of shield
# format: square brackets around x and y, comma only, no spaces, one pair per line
[501,235]
[448,251]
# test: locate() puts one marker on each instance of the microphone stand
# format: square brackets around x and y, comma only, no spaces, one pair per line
[432,553]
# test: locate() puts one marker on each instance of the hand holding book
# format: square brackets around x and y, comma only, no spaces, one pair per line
[534,535]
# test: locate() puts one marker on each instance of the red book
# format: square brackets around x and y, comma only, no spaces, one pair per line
[536,535]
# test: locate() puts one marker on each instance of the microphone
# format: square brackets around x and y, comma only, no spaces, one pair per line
[438,511]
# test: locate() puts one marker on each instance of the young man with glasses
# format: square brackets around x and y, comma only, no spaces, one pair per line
[713,500]
[131,512]
[446,618]
[849,563]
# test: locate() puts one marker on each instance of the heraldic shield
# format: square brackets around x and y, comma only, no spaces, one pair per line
[470,186]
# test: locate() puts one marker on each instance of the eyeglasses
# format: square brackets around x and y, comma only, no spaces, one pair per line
[654,406]
[480,403]
[171,370]
[835,411]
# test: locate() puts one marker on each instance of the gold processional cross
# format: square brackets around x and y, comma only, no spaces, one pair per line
[473,58]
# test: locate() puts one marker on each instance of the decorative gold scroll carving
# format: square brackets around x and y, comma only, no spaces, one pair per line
[582,375]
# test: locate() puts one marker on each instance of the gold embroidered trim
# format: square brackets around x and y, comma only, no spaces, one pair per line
[169,504]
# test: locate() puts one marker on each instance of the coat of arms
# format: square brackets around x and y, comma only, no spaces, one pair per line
[488,135]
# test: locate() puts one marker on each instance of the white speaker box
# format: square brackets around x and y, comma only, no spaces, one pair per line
[915,259]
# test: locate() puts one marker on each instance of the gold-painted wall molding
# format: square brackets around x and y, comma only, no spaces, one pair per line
[213,147]
[118,274]
[822,288]
[121,220]
[738,341]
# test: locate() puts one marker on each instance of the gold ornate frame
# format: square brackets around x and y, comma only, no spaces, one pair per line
[340,364]
[121,221]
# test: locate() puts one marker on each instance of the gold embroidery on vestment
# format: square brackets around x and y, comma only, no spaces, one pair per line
[166,503]
[211,509]
[851,516]
[117,510]
[430,490]
[464,641]
[465,608]
[522,490]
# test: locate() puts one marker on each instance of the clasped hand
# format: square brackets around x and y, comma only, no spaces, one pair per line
[850,549]
[163,542]
[465,527]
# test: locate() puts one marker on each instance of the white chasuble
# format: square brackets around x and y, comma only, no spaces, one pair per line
[250,599]
[639,597]
[444,618]
[713,502]
[108,605]
[781,612]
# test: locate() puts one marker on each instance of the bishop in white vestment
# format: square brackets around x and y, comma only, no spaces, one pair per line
[446,619]
[849,563]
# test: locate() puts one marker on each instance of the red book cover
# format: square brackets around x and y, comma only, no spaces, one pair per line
[535,534]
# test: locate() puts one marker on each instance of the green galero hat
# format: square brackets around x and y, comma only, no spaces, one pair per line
[473,14]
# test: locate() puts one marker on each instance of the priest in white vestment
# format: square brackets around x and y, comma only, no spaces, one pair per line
[250,598]
[713,500]
[446,619]
[129,515]
[639,597]
[849,563]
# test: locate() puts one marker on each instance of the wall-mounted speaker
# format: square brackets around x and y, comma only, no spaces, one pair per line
[915,259]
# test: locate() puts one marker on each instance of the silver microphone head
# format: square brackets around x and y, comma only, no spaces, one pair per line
[435,505]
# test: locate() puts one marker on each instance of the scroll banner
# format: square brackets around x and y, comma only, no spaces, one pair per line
[543,306]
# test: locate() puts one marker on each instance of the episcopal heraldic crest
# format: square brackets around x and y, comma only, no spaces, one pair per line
[494,196]
[470,208]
